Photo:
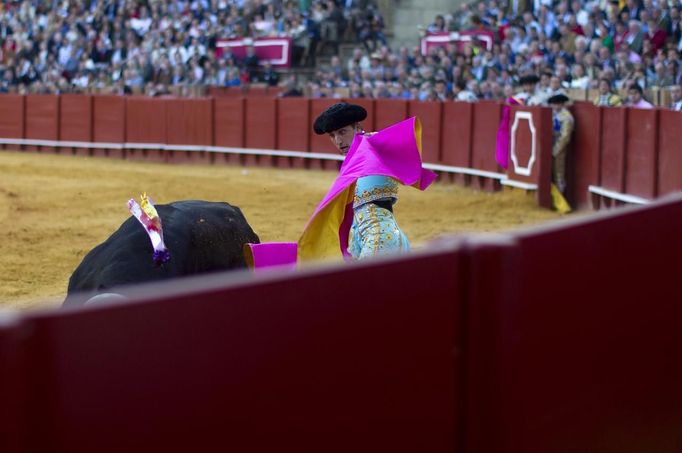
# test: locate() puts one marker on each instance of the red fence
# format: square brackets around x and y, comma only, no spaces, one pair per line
[455,353]
[628,151]
[616,152]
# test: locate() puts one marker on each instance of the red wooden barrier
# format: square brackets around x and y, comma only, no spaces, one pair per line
[641,153]
[146,120]
[189,122]
[293,123]
[261,127]
[259,91]
[669,152]
[320,143]
[530,150]
[583,155]
[629,158]
[12,117]
[228,127]
[486,337]
[613,141]
[430,114]
[389,111]
[146,123]
[587,339]
[230,92]
[368,104]
[457,132]
[486,119]
[42,119]
[15,387]
[75,120]
[108,124]
[258,367]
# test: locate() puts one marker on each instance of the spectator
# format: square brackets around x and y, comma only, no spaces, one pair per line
[331,27]
[290,89]
[250,63]
[606,97]
[441,92]
[636,97]
[634,36]
[268,75]
[676,98]
[437,26]
[463,93]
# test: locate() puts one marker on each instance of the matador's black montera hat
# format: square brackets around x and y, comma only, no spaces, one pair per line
[338,116]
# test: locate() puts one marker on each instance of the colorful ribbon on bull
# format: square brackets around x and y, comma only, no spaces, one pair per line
[395,151]
[146,214]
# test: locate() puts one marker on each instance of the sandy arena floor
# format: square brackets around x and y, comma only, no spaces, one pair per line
[54,209]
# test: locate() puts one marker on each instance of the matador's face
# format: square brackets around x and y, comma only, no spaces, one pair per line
[342,138]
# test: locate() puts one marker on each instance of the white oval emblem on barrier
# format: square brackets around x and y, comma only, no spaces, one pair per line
[528,116]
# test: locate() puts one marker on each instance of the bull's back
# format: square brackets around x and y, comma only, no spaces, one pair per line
[201,236]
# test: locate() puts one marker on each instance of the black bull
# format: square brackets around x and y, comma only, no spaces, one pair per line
[202,236]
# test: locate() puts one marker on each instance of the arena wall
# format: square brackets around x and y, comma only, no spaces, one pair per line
[560,338]
[618,155]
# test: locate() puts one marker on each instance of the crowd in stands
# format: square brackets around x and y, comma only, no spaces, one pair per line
[128,46]
[148,46]
[626,47]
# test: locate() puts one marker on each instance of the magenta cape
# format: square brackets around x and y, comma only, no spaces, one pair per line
[503,134]
[395,152]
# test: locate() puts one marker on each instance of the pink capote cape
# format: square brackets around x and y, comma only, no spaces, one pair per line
[503,134]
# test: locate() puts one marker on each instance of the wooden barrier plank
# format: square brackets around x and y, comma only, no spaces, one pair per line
[431,116]
[457,133]
[42,117]
[583,155]
[486,119]
[257,91]
[641,153]
[256,367]
[146,123]
[669,152]
[109,119]
[388,112]
[368,104]
[42,120]
[189,122]
[12,115]
[145,120]
[320,143]
[613,143]
[586,341]
[15,386]
[293,124]
[228,127]
[108,124]
[75,120]
[260,120]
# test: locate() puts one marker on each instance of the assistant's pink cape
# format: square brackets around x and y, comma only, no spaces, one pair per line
[395,152]
[503,134]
